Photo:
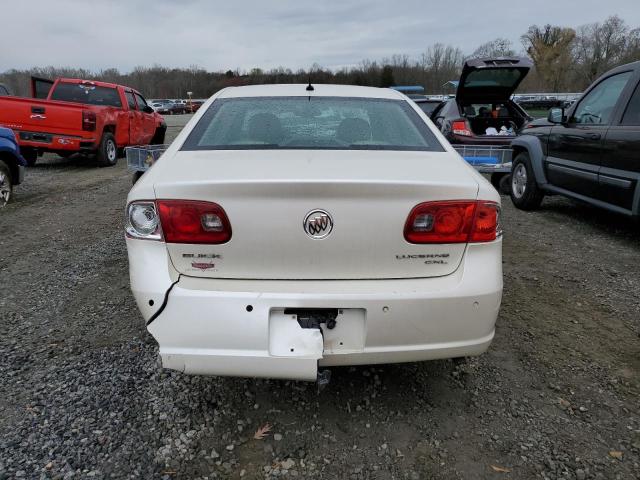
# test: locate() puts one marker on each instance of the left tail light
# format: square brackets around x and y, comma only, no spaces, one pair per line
[178,221]
[143,221]
[461,127]
[457,221]
[190,221]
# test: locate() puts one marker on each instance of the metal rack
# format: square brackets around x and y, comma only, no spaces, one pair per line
[141,157]
[486,159]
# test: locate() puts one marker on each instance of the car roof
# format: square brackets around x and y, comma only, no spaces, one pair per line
[623,68]
[319,90]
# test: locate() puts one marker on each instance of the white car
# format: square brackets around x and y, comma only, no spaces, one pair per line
[292,227]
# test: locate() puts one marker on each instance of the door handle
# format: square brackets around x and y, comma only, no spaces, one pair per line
[594,136]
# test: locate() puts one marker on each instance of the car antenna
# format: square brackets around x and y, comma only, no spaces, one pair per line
[310,87]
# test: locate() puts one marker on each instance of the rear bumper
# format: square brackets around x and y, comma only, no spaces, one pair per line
[236,327]
[53,142]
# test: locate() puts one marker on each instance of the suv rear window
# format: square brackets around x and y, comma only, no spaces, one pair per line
[87,94]
[494,77]
[339,123]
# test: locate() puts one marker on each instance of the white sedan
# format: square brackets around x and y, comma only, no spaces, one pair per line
[291,227]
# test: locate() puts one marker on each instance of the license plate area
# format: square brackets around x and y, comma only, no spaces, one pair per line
[312,332]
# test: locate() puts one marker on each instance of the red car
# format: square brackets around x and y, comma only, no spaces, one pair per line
[72,115]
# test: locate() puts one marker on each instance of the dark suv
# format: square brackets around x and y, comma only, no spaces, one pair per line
[590,152]
[482,113]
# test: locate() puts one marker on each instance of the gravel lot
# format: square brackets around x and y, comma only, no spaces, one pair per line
[557,395]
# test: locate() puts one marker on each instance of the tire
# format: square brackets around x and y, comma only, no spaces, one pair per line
[158,137]
[30,155]
[505,184]
[136,177]
[6,184]
[523,188]
[107,151]
[500,182]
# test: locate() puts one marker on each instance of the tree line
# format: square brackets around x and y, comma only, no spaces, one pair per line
[565,60]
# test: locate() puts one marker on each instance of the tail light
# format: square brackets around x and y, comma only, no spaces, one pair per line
[461,127]
[457,221]
[143,221]
[88,121]
[190,221]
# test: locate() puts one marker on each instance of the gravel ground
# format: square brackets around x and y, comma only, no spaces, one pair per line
[82,396]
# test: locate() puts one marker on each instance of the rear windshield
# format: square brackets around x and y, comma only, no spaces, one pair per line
[494,77]
[87,93]
[339,123]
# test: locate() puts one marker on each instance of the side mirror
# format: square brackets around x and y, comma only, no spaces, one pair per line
[556,115]
[147,109]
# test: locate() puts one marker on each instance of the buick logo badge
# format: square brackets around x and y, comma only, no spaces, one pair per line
[318,224]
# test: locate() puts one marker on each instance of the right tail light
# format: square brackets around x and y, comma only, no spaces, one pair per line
[88,120]
[453,221]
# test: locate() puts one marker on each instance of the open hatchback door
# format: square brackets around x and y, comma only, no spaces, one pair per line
[491,79]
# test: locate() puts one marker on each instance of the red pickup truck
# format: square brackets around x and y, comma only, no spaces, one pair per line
[72,115]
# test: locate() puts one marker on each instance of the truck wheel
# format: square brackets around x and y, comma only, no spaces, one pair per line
[30,155]
[6,184]
[524,191]
[158,137]
[107,151]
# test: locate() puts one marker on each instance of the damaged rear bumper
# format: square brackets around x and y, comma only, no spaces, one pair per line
[240,328]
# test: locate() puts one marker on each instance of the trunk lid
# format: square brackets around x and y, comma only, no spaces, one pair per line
[268,194]
[491,79]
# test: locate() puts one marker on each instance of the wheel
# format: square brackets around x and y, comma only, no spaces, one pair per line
[6,184]
[524,191]
[158,137]
[107,151]
[30,155]
[505,184]
[500,182]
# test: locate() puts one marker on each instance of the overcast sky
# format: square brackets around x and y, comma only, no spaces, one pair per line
[221,35]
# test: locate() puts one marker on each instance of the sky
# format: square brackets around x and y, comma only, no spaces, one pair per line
[242,34]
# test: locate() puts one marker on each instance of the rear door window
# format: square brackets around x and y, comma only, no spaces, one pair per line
[338,123]
[87,93]
[130,100]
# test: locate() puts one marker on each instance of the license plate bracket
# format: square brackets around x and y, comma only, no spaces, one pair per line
[310,333]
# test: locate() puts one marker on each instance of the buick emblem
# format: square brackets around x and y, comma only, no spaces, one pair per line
[318,224]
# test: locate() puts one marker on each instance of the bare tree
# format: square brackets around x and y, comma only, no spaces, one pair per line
[550,48]
[499,47]
[600,46]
